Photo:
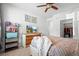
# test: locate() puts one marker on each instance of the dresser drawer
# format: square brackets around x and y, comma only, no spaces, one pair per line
[29,38]
[28,41]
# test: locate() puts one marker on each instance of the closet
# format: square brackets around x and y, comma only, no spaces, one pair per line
[66,28]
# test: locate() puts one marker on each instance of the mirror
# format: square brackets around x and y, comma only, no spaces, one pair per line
[31,24]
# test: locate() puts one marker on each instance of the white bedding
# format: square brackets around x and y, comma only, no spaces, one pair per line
[40,45]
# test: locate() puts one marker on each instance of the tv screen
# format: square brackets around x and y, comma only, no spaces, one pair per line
[11,35]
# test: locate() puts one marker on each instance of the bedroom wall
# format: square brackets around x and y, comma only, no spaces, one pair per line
[17,15]
[54,22]
[11,13]
[54,25]
[78,22]
[43,26]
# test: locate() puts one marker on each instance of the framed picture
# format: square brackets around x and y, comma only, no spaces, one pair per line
[27,18]
[34,20]
[30,19]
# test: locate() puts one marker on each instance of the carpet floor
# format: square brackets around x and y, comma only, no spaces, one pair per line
[18,52]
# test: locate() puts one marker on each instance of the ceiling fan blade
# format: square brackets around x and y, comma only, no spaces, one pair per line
[41,5]
[46,9]
[54,7]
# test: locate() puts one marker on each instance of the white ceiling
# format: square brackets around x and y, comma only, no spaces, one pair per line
[31,8]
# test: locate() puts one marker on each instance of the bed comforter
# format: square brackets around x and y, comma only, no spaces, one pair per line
[63,47]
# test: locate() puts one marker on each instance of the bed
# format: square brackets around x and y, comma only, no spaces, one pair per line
[63,47]
[59,47]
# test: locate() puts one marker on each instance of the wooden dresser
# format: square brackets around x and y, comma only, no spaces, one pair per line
[29,38]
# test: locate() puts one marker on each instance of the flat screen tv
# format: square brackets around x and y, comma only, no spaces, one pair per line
[10,35]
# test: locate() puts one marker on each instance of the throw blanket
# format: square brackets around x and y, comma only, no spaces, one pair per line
[40,45]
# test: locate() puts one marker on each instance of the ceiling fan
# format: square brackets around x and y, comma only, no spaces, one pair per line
[48,6]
